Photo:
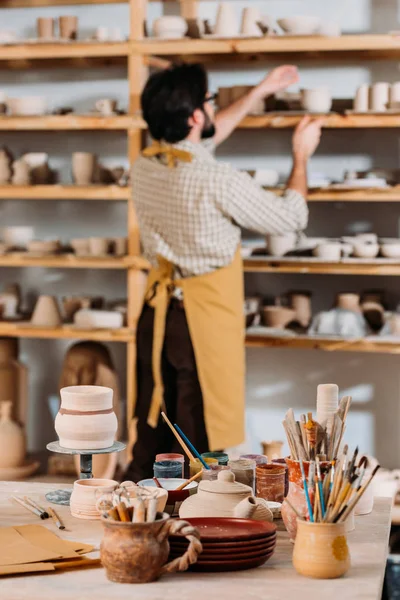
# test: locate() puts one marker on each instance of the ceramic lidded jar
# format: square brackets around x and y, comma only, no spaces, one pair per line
[12,439]
[321,550]
[86,419]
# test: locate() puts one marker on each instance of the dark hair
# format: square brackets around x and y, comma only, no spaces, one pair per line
[170,97]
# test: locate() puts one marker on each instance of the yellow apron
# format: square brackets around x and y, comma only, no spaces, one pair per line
[214,309]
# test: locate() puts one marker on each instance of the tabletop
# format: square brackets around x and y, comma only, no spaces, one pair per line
[275,580]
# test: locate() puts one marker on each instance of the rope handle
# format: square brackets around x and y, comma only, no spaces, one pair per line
[173,527]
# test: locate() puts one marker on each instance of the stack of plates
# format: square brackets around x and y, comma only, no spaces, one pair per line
[229,544]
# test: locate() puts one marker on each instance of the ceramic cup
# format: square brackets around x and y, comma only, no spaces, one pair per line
[328,251]
[83,166]
[84,496]
[361,99]
[316,100]
[348,302]
[98,246]
[169,27]
[320,550]
[68,26]
[226,24]
[272,449]
[250,17]
[46,312]
[278,245]
[120,246]
[277,316]
[301,304]
[80,246]
[45,28]
[379,96]
[394,95]
[270,482]
[106,106]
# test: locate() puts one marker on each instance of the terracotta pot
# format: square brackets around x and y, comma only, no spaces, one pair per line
[98,246]
[348,302]
[45,27]
[137,552]
[321,550]
[12,439]
[277,316]
[83,167]
[46,312]
[80,246]
[272,449]
[301,304]
[270,482]
[68,27]
[86,419]
[85,495]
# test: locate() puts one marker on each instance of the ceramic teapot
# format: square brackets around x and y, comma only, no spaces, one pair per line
[225,498]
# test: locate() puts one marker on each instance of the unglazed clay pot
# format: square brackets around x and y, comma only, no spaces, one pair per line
[169,27]
[80,246]
[27,106]
[21,172]
[87,318]
[321,550]
[226,24]
[45,27]
[120,246]
[98,246]
[301,304]
[46,312]
[86,419]
[272,449]
[277,316]
[83,167]
[5,167]
[12,439]
[68,27]
[379,96]
[84,496]
[316,100]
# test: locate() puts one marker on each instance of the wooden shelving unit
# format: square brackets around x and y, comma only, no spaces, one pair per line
[70,123]
[71,261]
[320,343]
[331,121]
[363,195]
[66,332]
[310,267]
[65,192]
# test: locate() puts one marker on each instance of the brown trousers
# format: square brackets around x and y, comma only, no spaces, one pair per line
[182,393]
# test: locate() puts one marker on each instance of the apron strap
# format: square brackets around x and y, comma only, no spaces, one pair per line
[171,153]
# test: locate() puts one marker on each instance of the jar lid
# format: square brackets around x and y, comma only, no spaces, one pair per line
[225,484]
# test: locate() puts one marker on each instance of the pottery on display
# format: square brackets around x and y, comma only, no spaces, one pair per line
[12,439]
[120,246]
[300,25]
[85,495]
[18,236]
[9,304]
[21,173]
[250,18]
[46,312]
[391,249]
[71,304]
[98,246]
[106,106]
[296,497]
[316,100]
[45,28]
[272,449]
[374,314]
[301,304]
[361,99]
[348,301]
[394,95]
[44,246]
[339,322]
[108,34]
[175,496]
[321,550]
[39,169]
[68,26]
[87,318]
[169,27]
[394,324]
[226,24]
[86,419]
[328,251]
[265,177]
[27,106]
[80,246]
[379,96]
[278,245]
[5,167]
[330,29]
[83,167]
[363,249]
[277,316]
[327,401]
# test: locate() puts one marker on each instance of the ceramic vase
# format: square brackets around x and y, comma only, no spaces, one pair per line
[12,439]
[301,304]
[321,550]
[296,497]
[83,167]
[250,17]
[45,28]
[379,96]
[46,312]
[361,99]
[226,23]
[85,495]
[21,173]
[68,26]
[86,419]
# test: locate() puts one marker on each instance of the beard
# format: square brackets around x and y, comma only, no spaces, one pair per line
[208,128]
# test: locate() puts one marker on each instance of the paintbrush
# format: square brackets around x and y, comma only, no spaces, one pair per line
[303,421]
[193,449]
[296,512]
[311,432]
[320,489]
[56,518]
[35,505]
[185,483]
[178,437]
[31,509]
[358,495]
[158,484]
[307,495]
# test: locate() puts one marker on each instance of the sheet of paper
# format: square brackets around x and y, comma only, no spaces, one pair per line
[16,550]
[40,536]
[23,569]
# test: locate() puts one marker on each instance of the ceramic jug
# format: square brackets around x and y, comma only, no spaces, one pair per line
[12,439]
[225,498]
[138,552]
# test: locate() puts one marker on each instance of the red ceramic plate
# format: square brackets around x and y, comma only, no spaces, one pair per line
[227,551]
[238,565]
[228,530]
[204,557]
[179,542]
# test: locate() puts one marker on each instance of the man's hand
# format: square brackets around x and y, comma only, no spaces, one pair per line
[306,138]
[277,80]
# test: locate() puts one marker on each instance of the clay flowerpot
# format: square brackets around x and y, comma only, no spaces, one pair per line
[98,246]
[46,312]
[85,495]
[321,550]
[348,302]
[86,419]
[316,100]
[137,552]
[68,26]
[277,316]
[12,439]
[169,27]
[83,167]
[45,28]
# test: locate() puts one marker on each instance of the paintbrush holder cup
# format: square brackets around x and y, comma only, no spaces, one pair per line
[138,552]
[321,550]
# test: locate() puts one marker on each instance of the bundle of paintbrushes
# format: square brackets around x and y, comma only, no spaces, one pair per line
[309,438]
[333,498]
[138,512]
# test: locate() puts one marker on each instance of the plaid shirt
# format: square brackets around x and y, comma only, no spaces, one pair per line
[192,214]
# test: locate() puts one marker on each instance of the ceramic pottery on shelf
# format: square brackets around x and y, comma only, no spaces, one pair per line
[272,449]
[5,167]
[45,27]
[68,26]
[83,167]
[27,106]
[46,312]
[85,495]
[12,439]
[321,550]
[86,419]
[169,27]
[21,172]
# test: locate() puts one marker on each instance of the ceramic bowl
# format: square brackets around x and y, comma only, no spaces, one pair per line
[19,236]
[27,106]
[80,246]
[365,250]
[265,177]
[391,250]
[316,100]
[169,27]
[277,316]
[83,498]
[174,498]
[278,245]
[44,246]
[368,238]
[300,25]
[328,251]
[88,318]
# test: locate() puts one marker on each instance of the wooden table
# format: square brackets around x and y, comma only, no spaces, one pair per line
[274,581]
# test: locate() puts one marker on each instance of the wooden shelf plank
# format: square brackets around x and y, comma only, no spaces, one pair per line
[332,121]
[71,261]
[304,267]
[36,3]
[69,123]
[57,50]
[326,344]
[66,332]
[65,192]
[391,194]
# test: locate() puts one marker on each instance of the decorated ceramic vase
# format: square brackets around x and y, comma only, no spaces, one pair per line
[86,419]
[12,439]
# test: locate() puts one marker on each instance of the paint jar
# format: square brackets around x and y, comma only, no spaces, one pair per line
[320,550]
[244,471]
[196,465]
[271,482]
[221,457]
[211,474]
[282,462]
[168,469]
[175,457]
[259,458]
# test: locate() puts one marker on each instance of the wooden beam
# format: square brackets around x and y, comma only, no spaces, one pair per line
[69,123]
[314,267]
[275,120]
[326,344]
[65,332]
[51,51]
[65,192]
[36,3]
[66,261]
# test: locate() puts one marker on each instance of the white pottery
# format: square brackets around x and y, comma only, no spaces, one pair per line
[80,246]
[361,99]
[316,100]
[98,246]
[88,318]
[44,246]
[330,29]
[12,439]
[394,95]
[86,419]
[368,238]
[300,25]
[338,322]
[102,34]
[36,159]
[46,312]
[327,401]
[169,27]
[365,250]
[85,495]
[151,492]
[379,96]
[106,106]
[226,24]
[301,304]
[391,250]
[18,236]
[328,251]
[250,17]
[7,36]
[27,106]
[278,245]
[265,177]
[9,302]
